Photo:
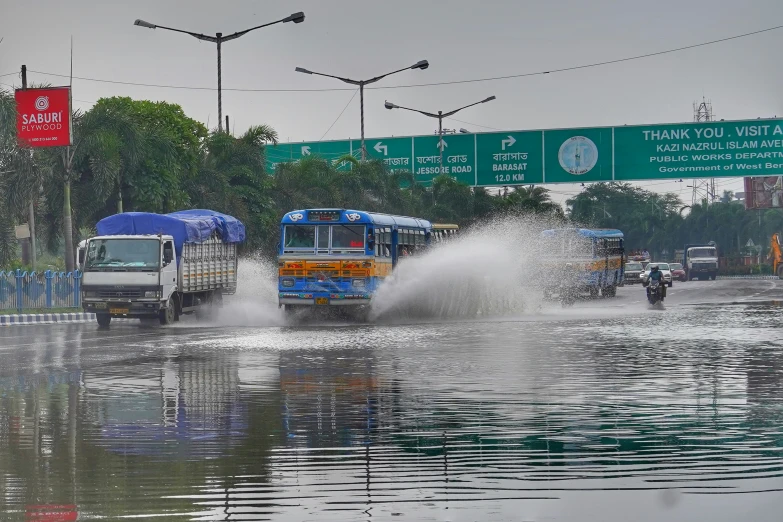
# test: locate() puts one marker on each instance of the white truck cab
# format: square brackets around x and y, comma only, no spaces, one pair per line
[129,276]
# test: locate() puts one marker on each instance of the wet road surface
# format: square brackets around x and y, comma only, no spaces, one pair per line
[603,412]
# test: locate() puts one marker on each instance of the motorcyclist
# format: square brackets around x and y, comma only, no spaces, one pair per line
[656,275]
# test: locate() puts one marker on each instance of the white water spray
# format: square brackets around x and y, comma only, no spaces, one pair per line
[489,271]
[255,303]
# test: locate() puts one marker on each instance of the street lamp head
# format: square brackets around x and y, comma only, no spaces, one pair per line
[305,71]
[142,23]
[489,99]
[464,131]
[296,18]
[390,105]
[423,64]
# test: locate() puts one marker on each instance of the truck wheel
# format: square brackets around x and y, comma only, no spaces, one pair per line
[169,314]
[104,320]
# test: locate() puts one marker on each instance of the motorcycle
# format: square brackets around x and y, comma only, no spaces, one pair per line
[654,293]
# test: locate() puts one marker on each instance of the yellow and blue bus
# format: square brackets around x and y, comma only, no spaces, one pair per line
[596,254]
[338,257]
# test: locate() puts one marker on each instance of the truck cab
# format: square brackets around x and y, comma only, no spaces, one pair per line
[701,261]
[129,276]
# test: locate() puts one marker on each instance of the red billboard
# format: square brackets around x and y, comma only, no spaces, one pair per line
[51,513]
[764,192]
[44,117]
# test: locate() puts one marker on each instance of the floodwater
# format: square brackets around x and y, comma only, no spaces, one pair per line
[603,412]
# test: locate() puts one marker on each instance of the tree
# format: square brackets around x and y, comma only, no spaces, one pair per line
[533,200]
[231,178]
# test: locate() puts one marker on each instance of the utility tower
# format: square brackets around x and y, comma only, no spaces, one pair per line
[703,189]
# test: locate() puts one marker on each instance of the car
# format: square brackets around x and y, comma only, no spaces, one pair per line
[633,273]
[678,272]
[663,267]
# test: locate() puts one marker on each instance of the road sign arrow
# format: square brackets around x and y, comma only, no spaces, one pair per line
[305,150]
[381,148]
[442,144]
[510,141]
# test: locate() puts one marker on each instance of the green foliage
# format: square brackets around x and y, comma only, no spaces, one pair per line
[654,221]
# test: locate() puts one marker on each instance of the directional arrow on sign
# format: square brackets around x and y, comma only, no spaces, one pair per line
[442,144]
[305,150]
[510,141]
[381,148]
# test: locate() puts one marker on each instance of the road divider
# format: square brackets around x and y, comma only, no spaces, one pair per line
[39,319]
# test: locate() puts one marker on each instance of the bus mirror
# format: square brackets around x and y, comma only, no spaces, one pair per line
[81,257]
[370,241]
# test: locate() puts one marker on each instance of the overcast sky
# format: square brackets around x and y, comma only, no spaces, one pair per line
[461,39]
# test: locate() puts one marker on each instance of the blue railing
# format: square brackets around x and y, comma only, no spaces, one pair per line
[39,290]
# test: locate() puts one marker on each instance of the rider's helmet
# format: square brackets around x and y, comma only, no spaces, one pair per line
[654,268]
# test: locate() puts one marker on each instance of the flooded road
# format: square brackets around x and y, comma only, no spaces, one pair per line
[603,412]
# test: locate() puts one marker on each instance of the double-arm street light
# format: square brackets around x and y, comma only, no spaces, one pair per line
[218,39]
[440,115]
[423,64]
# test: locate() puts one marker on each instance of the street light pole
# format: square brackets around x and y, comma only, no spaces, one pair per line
[218,39]
[440,141]
[423,64]
[440,115]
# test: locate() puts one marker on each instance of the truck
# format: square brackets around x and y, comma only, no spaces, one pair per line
[147,266]
[700,261]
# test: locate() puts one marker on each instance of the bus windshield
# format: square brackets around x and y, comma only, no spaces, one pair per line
[336,237]
[348,236]
[300,236]
[568,245]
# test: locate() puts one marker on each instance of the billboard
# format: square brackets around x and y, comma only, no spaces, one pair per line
[764,192]
[44,117]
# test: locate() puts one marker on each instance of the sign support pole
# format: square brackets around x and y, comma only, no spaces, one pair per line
[31,209]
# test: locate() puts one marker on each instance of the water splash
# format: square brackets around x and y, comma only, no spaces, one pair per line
[254,304]
[489,271]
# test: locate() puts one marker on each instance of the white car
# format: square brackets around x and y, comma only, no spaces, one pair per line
[663,267]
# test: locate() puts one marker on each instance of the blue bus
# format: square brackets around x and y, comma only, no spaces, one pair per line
[338,258]
[598,255]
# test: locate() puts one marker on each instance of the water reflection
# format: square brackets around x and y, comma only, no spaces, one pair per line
[440,421]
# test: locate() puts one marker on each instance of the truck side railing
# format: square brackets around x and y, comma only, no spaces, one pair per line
[21,290]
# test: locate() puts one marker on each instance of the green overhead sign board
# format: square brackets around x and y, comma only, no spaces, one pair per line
[627,153]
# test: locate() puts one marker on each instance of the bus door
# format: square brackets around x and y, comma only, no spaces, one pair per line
[395,239]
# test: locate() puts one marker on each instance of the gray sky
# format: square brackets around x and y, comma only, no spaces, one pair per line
[461,39]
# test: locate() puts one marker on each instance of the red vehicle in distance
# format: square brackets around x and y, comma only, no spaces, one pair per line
[678,272]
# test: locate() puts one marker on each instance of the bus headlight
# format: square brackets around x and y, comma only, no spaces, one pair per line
[358,283]
[287,282]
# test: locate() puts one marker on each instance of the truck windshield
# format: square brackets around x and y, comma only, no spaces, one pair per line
[702,252]
[122,253]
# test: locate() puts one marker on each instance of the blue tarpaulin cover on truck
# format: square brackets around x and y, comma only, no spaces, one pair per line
[187,226]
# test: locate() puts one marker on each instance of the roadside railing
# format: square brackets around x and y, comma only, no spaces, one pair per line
[39,290]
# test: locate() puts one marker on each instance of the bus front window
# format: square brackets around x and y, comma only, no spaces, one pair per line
[348,236]
[299,236]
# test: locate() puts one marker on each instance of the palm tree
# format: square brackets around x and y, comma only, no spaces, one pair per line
[95,145]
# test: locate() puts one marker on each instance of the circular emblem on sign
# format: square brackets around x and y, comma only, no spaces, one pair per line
[578,155]
[353,216]
[42,103]
[296,217]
